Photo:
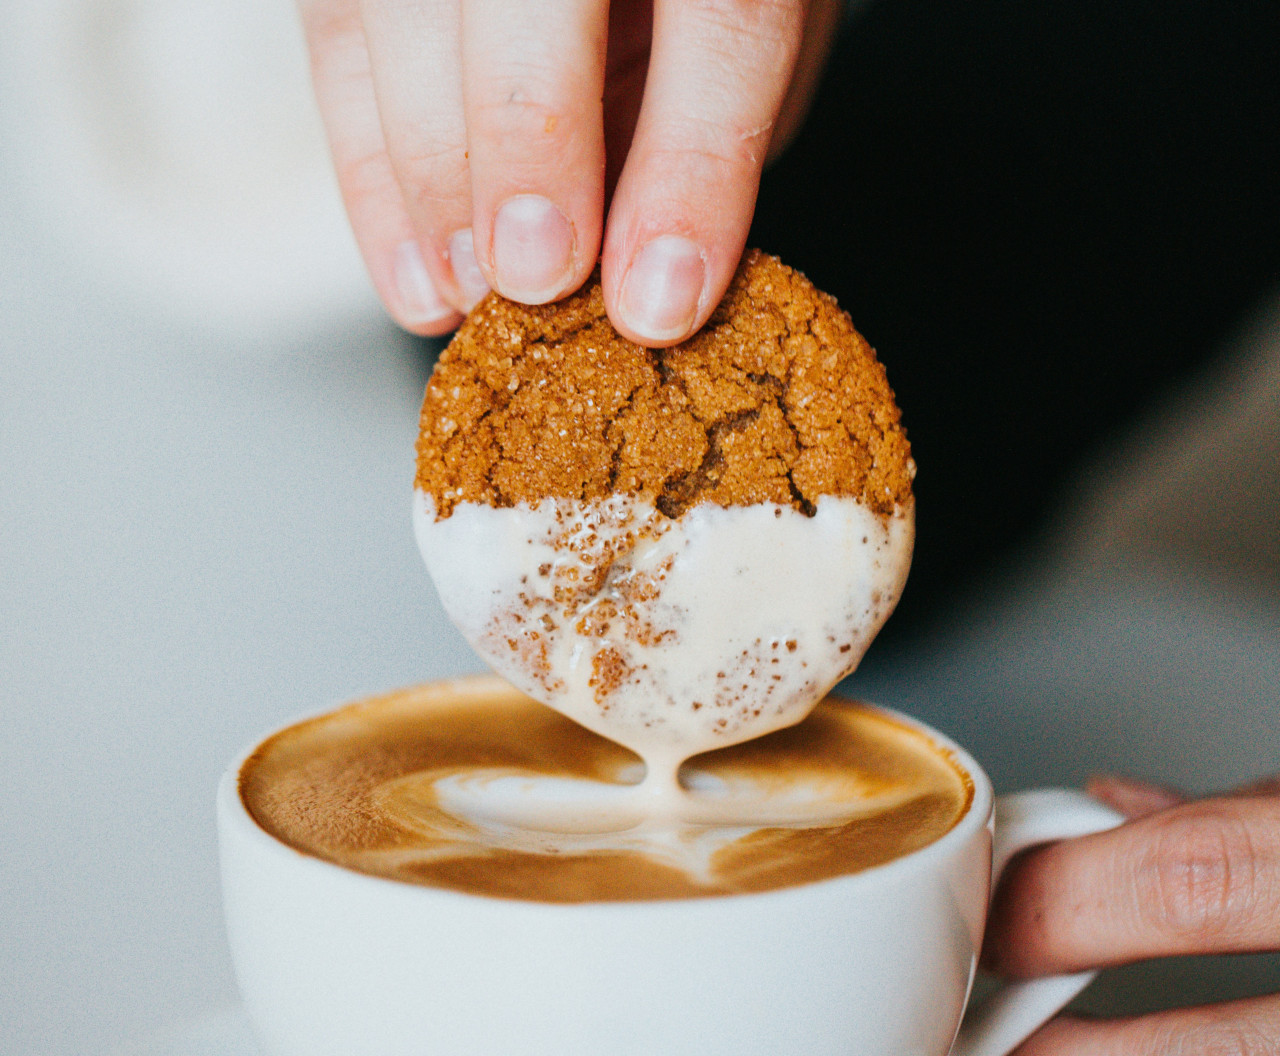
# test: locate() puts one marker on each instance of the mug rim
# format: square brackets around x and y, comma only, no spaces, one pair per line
[232,811]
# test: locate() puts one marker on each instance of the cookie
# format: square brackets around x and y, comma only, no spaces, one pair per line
[678,548]
[777,399]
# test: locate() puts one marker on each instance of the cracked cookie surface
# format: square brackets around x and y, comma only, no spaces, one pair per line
[777,399]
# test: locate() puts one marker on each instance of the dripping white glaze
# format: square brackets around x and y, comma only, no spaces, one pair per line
[669,636]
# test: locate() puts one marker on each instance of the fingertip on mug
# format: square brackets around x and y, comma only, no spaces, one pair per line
[663,289]
[533,250]
[1131,797]
[417,306]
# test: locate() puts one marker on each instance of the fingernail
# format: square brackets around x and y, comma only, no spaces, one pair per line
[462,256]
[662,289]
[532,249]
[419,302]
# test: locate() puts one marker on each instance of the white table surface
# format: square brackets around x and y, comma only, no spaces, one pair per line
[204,531]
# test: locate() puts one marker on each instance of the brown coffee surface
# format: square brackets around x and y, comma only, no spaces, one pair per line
[332,787]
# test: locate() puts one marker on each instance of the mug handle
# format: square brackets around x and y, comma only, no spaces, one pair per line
[1011,1014]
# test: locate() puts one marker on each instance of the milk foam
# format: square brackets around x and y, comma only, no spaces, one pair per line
[485,809]
[471,785]
[670,637]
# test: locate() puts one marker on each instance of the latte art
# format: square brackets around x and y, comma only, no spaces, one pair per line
[472,786]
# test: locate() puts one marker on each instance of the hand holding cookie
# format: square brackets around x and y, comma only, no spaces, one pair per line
[478,142]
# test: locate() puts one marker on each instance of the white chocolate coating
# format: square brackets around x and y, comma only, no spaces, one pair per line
[670,637]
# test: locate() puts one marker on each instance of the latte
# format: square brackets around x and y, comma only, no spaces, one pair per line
[472,786]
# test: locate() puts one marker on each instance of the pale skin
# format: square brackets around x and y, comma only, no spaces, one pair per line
[487,144]
[491,144]
[1179,877]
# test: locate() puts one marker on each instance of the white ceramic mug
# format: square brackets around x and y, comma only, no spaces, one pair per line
[331,962]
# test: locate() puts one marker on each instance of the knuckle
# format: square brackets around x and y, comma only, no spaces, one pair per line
[736,36]
[365,175]
[756,18]
[717,151]
[1221,1038]
[329,23]
[1196,876]
[339,55]
[432,175]
[523,106]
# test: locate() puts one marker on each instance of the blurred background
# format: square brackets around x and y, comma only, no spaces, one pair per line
[1059,224]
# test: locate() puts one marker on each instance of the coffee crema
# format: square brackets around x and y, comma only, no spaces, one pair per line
[472,786]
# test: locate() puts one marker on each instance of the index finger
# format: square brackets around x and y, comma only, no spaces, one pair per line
[533,82]
[718,74]
[1200,878]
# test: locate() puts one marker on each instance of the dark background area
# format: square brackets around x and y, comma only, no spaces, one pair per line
[1043,216]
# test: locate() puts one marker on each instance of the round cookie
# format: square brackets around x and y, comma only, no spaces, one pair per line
[777,399]
[678,548]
